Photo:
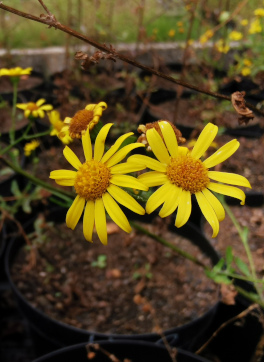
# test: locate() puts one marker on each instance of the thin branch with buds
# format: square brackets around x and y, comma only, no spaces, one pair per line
[51,21]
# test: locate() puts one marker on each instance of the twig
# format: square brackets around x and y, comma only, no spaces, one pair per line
[52,22]
[45,7]
[225,324]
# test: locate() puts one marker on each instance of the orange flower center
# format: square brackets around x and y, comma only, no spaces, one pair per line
[188,173]
[92,180]
[80,123]
[32,106]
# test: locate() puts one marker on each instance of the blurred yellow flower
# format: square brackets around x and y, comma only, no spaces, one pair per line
[99,182]
[245,71]
[255,27]
[259,12]
[84,119]
[247,62]
[235,35]
[31,146]
[171,33]
[244,22]
[15,72]
[57,125]
[221,46]
[35,109]
[206,36]
[180,23]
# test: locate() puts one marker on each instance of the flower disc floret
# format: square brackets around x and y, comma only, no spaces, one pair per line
[188,173]
[92,180]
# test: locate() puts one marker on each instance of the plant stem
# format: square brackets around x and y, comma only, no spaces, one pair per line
[244,239]
[15,82]
[60,193]
[169,245]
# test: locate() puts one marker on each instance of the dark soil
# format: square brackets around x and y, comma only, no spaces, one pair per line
[143,286]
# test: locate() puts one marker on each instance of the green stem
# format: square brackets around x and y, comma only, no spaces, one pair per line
[16,141]
[15,82]
[249,296]
[244,240]
[60,193]
[169,245]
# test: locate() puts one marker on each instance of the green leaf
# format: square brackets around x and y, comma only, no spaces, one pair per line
[222,279]
[218,267]
[242,266]
[245,234]
[15,189]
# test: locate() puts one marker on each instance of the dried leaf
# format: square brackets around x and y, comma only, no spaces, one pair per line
[228,293]
[238,102]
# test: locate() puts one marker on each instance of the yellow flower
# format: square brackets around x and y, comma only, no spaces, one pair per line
[259,12]
[181,173]
[180,23]
[221,46]
[35,109]
[171,33]
[245,71]
[15,72]
[97,182]
[255,27]
[57,125]
[247,62]
[83,120]
[244,22]
[31,146]
[206,36]
[235,35]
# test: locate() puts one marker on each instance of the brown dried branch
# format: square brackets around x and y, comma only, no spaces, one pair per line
[239,104]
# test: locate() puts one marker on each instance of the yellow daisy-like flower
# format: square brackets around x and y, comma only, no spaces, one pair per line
[35,109]
[244,22]
[31,146]
[245,71]
[255,27]
[235,35]
[259,12]
[171,33]
[181,173]
[206,36]
[97,182]
[57,125]
[15,72]
[84,119]
[222,47]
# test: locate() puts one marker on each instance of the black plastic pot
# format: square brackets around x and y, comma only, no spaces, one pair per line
[137,351]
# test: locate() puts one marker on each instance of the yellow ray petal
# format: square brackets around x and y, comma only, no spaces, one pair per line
[222,154]
[72,158]
[47,107]
[169,138]
[65,182]
[184,208]
[171,203]
[157,198]
[125,199]
[157,145]
[204,140]
[208,212]
[87,146]
[228,191]
[153,178]
[126,167]
[215,203]
[229,178]
[128,181]
[100,221]
[63,174]
[22,106]
[75,211]
[88,221]
[148,162]
[115,146]
[121,154]
[116,213]
[99,145]
[27,113]
[40,102]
